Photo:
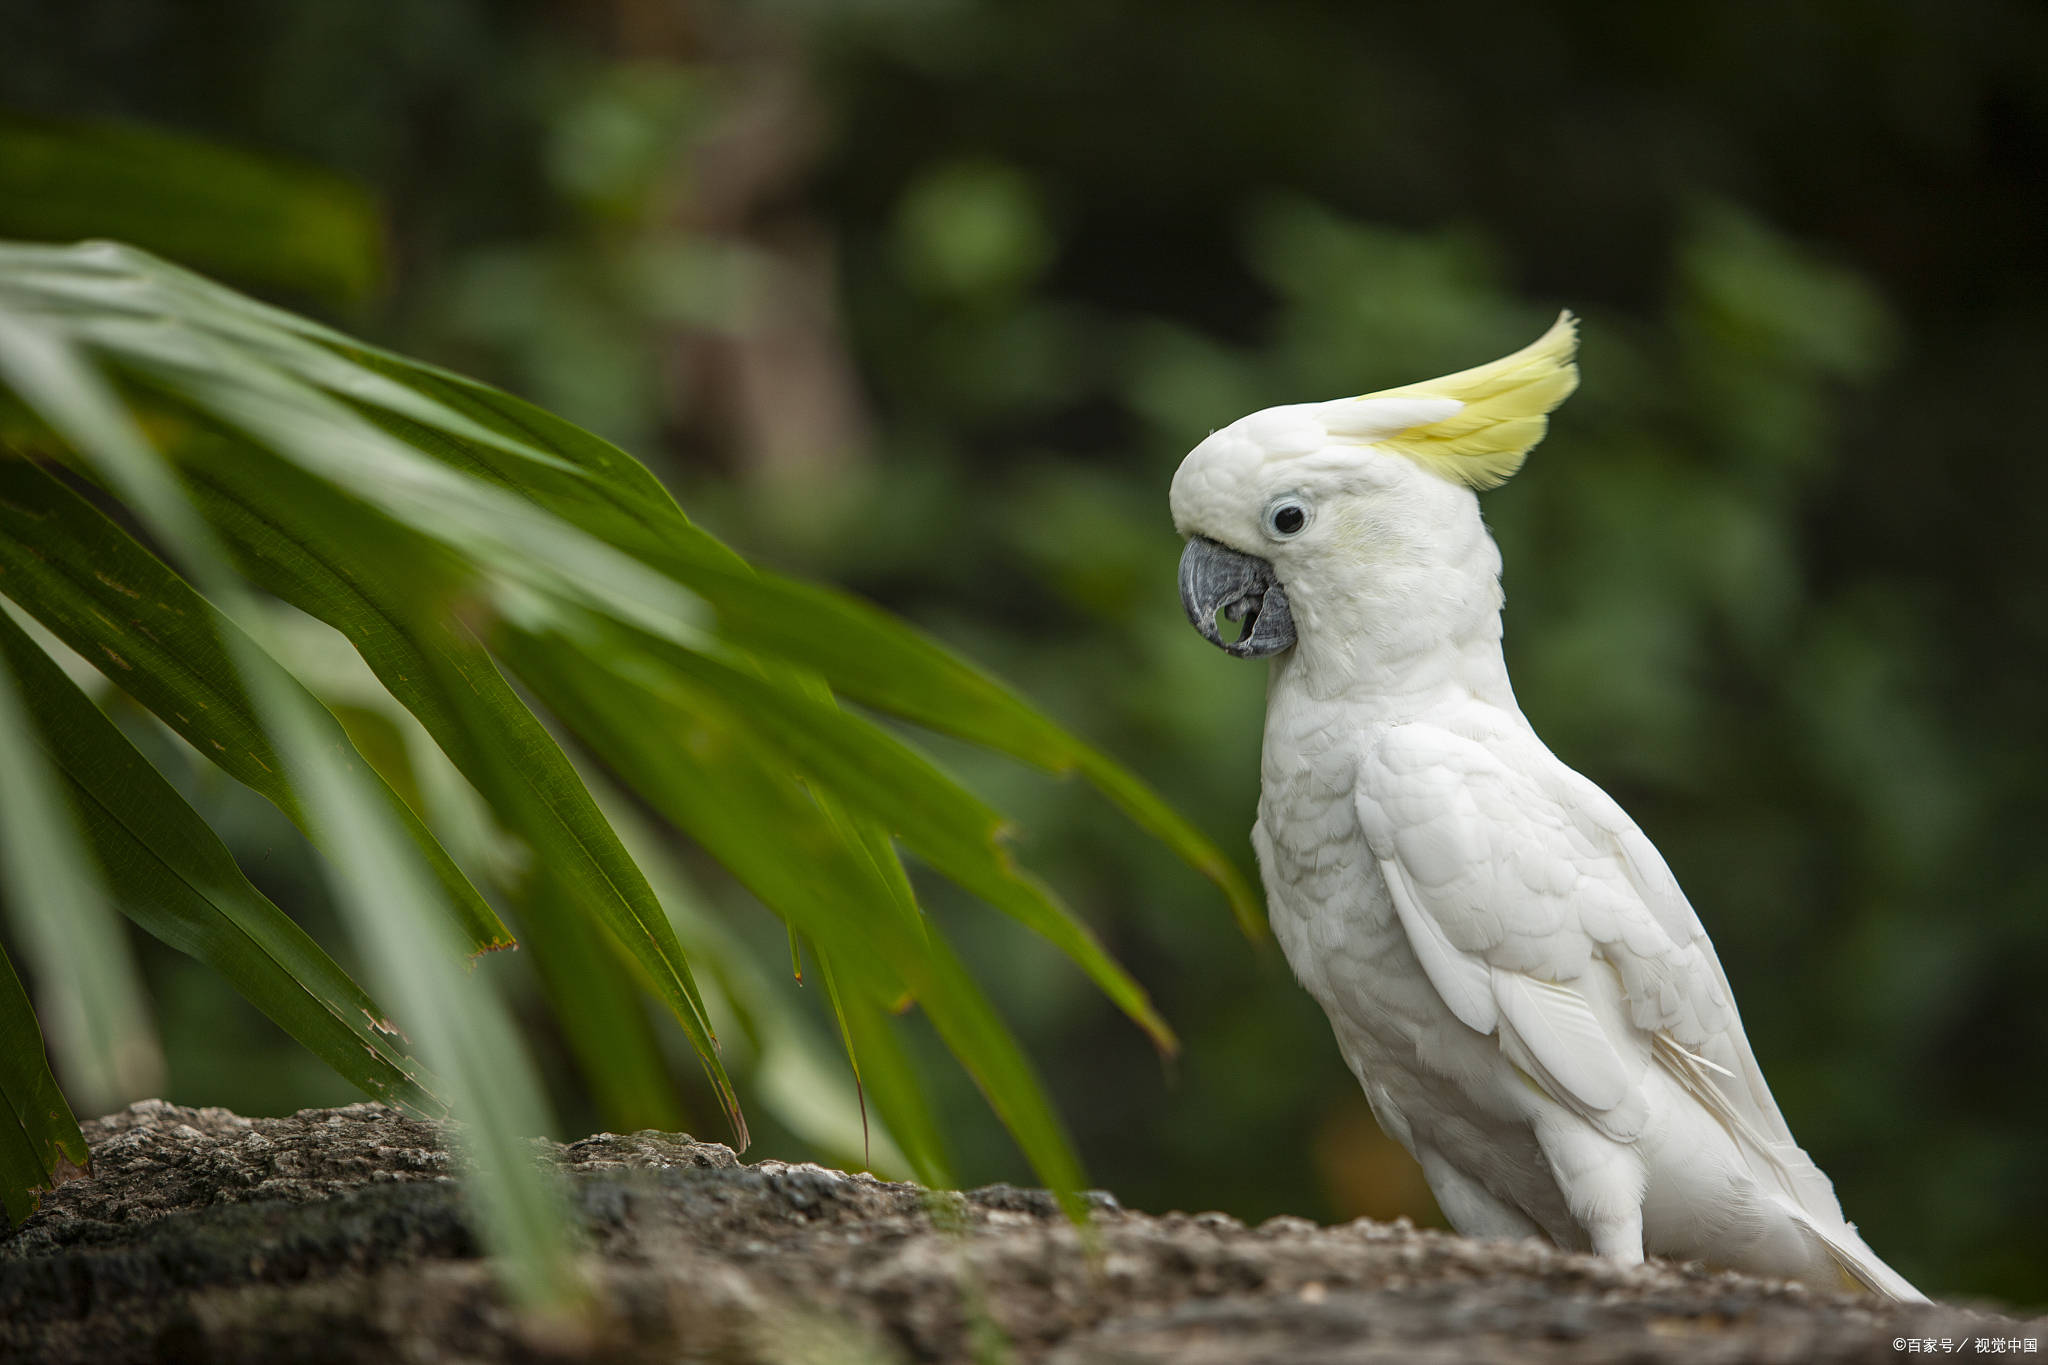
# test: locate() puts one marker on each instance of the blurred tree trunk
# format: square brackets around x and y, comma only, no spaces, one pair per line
[780,388]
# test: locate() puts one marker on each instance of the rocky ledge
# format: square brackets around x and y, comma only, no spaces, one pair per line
[338,1235]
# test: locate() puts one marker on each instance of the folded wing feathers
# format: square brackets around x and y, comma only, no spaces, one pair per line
[1560,1029]
[1463,981]
[1548,1029]
[1809,1196]
[1785,1163]
[1551,1031]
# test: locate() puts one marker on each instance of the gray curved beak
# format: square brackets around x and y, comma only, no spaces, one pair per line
[1217,578]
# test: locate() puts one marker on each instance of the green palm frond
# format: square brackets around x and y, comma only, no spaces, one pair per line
[172,454]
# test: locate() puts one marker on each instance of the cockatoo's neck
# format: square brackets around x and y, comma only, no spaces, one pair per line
[1403,632]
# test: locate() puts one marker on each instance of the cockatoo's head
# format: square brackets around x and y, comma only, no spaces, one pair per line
[1358,515]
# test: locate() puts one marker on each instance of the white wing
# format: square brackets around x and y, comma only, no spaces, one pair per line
[1543,915]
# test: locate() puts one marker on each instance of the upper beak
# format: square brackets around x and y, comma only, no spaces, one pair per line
[1217,578]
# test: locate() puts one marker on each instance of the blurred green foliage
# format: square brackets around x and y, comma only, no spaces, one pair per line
[930,299]
[304,231]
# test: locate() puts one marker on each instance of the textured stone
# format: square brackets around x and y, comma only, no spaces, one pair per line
[339,1236]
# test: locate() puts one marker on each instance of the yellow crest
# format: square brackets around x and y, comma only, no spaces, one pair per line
[1505,410]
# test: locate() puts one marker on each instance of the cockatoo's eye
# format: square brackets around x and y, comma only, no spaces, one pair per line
[1287,516]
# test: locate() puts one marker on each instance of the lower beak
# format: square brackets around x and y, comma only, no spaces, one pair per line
[1215,578]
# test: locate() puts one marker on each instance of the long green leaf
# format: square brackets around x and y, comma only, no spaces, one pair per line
[989,876]
[518,768]
[706,771]
[77,948]
[601,1011]
[864,652]
[382,884]
[41,1146]
[299,542]
[519,542]
[588,483]
[459,1022]
[884,1073]
[870,657]
[170,873]
[794,1073]
[553,520]
[124,610]
[876,774]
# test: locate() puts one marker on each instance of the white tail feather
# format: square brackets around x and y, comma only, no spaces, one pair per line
[1856,1260]
[1808,1197]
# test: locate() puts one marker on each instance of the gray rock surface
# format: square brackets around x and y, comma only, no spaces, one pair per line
[338,1235]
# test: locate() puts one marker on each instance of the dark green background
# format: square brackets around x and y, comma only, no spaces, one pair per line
[928,297]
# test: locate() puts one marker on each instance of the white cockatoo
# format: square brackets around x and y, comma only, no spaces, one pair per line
[1513,974]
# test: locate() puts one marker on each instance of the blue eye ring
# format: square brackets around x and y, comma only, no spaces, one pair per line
[1287,516]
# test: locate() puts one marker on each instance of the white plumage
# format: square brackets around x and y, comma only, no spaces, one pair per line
[1511,971]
